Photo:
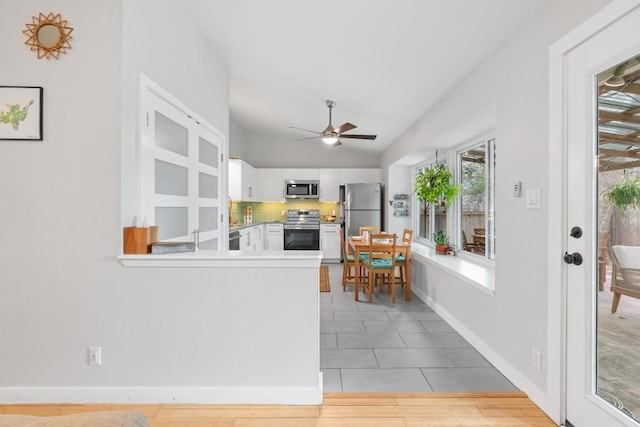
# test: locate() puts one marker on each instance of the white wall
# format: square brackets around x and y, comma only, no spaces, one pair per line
[399,182]
[61,287]
[164,332]
[515,79]
[269,151]
[237,139]
[160,41]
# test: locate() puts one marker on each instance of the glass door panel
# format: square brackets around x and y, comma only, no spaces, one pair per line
[618,246]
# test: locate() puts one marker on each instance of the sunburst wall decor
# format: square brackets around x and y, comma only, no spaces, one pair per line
[48,35]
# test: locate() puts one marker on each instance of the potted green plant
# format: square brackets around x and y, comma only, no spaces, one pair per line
[433,185]
[442,242]
[624,194]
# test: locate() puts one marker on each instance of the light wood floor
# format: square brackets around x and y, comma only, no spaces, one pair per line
[338,409]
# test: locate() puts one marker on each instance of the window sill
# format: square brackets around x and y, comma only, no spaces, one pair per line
[479,276]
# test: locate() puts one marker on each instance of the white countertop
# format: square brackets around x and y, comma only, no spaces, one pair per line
[224,259]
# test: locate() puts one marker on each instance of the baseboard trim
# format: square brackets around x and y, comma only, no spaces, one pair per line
[538,396]
[183,395]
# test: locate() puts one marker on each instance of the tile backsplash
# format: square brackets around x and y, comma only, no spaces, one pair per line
[268,212]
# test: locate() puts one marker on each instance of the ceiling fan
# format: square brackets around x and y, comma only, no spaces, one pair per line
[331,135]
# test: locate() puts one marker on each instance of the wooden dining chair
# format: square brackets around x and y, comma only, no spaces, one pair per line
[381,263]
[348,264]
[466,246]
[372,229]
[402,257]
[479,239]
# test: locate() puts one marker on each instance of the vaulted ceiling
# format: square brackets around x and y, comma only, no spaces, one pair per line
[384,62]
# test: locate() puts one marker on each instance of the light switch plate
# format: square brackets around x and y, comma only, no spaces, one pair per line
[533,199]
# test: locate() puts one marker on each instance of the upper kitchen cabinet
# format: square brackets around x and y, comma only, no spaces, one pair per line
[243,181]
[329,185]
[271,184]
[356,176]
[302,174]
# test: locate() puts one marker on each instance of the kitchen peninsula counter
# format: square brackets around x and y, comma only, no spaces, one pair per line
[248,342]
[207,258]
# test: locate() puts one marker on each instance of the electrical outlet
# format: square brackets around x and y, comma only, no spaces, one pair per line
[536,359]
[95,356]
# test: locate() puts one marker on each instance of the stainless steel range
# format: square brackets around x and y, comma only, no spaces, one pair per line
[302,230]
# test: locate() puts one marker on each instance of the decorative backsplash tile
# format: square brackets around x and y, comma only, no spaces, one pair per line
[268,212]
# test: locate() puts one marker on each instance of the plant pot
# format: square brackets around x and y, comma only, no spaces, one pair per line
[441,249]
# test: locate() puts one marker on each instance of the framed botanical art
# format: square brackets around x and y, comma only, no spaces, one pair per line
[21,113]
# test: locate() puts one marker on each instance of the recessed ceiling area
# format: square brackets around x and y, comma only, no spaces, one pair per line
[385,63]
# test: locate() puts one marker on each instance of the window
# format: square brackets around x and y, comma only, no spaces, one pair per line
[431,218]
[476,221]
[181,171]
[470,221]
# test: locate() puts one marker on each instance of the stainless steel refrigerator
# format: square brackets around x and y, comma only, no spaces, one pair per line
[362,206]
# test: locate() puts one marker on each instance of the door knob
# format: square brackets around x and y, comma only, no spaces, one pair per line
[574,258]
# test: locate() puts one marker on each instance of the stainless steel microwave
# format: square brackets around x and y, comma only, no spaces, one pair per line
[295,189]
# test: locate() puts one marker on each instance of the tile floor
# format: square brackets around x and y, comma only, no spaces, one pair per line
[401,347]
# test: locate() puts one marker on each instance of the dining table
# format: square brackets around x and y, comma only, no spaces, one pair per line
[361,244]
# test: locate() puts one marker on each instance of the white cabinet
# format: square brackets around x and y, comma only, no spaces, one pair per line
[271,185]
[302,174]
[255,234]
[356,176]
[329,185]
[274,237]
[330,242]
[251,238]
[243,181]
[245,239]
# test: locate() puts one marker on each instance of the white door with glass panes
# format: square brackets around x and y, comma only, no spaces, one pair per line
[181,171]
[597,70]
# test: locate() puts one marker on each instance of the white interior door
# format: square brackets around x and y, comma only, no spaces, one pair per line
[586,403]
[181,171]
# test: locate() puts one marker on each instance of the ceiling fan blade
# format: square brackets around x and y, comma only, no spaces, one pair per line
[306,130]
[303,139]
[344,127]
[372,137]
[337,143]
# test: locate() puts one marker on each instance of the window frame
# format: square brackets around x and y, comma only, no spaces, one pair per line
[453,226]
[489,143]
[417,206]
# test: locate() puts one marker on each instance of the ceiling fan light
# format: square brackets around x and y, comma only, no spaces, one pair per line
[329,138]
